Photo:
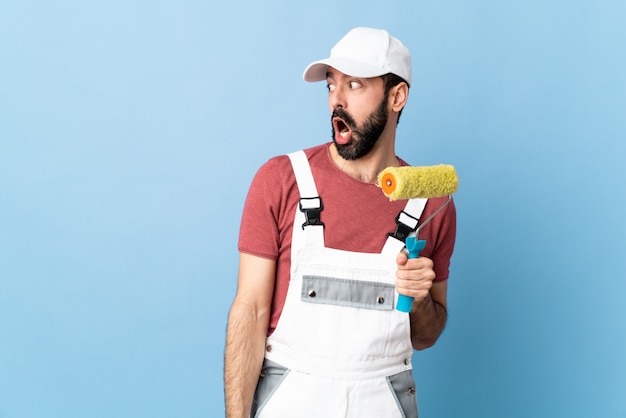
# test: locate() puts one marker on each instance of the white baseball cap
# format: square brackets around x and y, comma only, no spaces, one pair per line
[364,52]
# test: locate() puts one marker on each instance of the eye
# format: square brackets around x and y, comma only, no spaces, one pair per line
[354,84]
[330,87]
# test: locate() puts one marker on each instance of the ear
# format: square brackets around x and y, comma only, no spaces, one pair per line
[398,96]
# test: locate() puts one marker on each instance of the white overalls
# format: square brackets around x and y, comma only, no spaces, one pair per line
[340,348]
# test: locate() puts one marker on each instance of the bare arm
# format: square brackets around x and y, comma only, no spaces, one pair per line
[429,313]
[247,328]
[428,317]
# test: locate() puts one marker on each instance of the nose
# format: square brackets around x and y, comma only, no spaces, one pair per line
[337,98]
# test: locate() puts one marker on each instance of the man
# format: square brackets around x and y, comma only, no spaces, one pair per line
[313,331]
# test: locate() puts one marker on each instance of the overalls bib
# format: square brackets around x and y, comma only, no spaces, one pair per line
[340,348]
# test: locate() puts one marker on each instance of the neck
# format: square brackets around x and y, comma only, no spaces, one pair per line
[367,168]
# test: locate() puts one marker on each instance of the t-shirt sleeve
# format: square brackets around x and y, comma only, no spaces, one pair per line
[259,229]
[444,245]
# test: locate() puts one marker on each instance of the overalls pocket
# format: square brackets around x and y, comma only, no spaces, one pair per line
[402,387]
[272,375]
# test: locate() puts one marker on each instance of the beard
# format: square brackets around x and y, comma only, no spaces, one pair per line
[364,137]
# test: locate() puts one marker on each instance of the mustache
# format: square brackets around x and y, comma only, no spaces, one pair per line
[345,116]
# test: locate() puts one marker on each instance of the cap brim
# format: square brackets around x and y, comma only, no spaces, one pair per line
[317,70]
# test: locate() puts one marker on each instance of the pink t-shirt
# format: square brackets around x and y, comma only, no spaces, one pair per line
[357,217]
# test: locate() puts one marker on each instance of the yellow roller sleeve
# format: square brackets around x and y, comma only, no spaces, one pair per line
[418,182]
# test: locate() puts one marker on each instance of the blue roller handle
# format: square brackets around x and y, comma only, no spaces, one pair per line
[414,246]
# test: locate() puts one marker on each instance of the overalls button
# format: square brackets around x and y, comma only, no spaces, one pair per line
[407,361]
[263,373]
[312,293]
[268,348]
[381,300]
[411,391]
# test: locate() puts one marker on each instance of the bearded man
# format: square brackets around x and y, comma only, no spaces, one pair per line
[313,331]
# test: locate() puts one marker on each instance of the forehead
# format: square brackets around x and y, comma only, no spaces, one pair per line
[332,72]
[335,74]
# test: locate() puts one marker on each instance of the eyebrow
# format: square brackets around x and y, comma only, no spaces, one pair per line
[332,74]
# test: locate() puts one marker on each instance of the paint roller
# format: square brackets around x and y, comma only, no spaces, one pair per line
[409,182]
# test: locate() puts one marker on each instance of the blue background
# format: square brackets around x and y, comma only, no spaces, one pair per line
[130,131]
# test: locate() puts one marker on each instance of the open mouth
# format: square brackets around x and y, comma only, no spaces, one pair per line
[342,130]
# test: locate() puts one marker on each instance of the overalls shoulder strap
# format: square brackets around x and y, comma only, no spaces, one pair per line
[304,177]
[310,205]
[407,221]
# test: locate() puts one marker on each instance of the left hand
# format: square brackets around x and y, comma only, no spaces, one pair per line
[414,276]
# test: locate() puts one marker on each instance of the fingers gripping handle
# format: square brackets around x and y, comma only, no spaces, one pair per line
[414,246]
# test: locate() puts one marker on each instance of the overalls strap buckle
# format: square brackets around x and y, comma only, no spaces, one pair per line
[311,206]
[405,225]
